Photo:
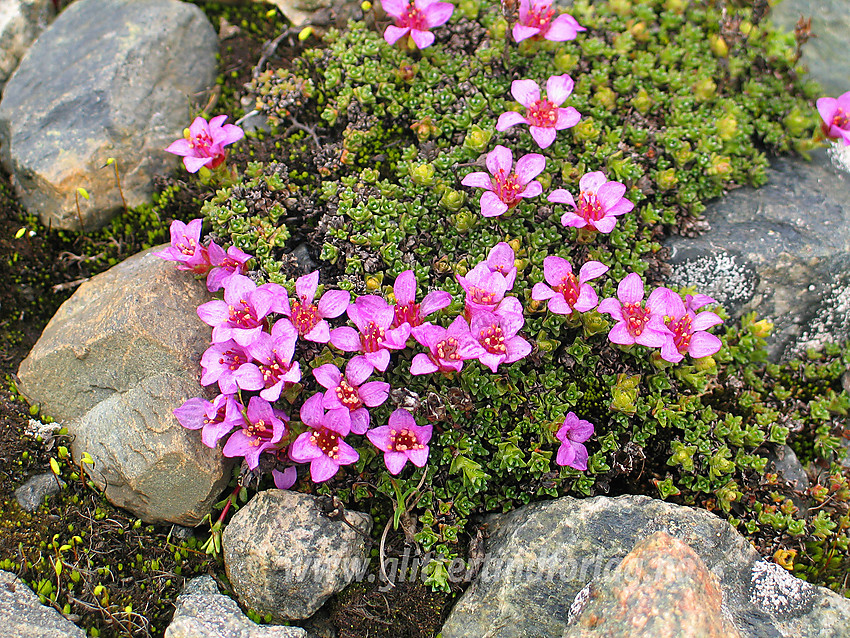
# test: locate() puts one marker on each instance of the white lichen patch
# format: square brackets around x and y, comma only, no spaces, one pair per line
[776,592]
[35,429]
[720,276]
[579,603]
[830,324]
[839,155]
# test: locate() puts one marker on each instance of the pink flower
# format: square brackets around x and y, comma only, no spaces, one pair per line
[504,190]
[322,445]
[262,428]
[203,144]
[286,479]
[448,347]
[535,21]
[242,314]
[687,328]
[635,323]
[231,366]
[572,434]
[485,289]
[309,318]
[568,293]
[349,393]
[373,317]
[416,19]
[497,336]
[401,441]
[273,356]
[599,203]
[835,113]
[501,259]
[186,247]
[543,115]
[224,265]
[407,311]
[214,419]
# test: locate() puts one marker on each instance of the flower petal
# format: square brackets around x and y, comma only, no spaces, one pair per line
[333,303]
[559,88]
[530,166]
[423,39]
[630,289]
[392,34]
[438,13]
[526,92]
[543,136]
[500,158]
[561,196]
[491,205]
[509,119]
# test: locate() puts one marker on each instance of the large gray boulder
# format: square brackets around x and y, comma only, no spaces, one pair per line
[109,78]
[20,23]
[782,250]
[23,614]
[113,363]
[539,557]
[285,556]
[202,612]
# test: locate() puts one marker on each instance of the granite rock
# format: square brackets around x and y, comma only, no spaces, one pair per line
[122,77]
[30,495]
[202,612]
[24,616]
[539,557]
[285,556]
[20,23]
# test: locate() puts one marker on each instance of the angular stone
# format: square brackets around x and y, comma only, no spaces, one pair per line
[285,557]
[31,494]
[20,23]
[661,590]
[23,614]
[782,250]
[122,77]
[539,557]
[202,612]
[113,363]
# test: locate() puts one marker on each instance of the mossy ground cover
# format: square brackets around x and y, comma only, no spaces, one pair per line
[679,100]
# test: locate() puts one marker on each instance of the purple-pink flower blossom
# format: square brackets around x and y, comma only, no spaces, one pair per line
[272,354]
[599,203]
[687,328]
[544,115]
[568,293]
[203,143]
[406,309]
[535,21]
[501,259]
[186,247]
[309,318]
[373,317]
[262,428]
[506,187]
[214,418]
[416,19]
[835,113]
[497,336]
[231,366]
[349,393]
[636,323]
[224,264]
[572,434]
[485,289]
[322,445]
[402,441]
[448,347]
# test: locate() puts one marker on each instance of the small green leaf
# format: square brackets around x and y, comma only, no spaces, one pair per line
[82,191]
[54,466]
[20,232]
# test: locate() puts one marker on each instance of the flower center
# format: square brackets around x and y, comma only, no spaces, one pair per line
[348,396]
[447,349]
[543,114]
[187,246]
[404,441]
[539,17]
[493,340]
[305,316]
[201,143]
[232,360]
[258,431]
[414,18]
[219,415]
[569,289]
[682,330]
[327,441]
[243,317]
[372,338]
[481,296]
[841,119]
[636,317]
[589,207]
[407,313]
[273,371]
[507,187]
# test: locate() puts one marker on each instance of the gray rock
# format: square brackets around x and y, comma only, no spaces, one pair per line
[202,612]
[122,76]
[541,556]
[113,363]
[30,495]
[782,251]
[783,461]
[831,24]
[24,616]
[661,590]
[285,557]
[20,23]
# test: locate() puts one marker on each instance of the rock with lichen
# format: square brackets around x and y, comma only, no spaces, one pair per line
[540,559]
[324,550]
[20,23]
[24,615]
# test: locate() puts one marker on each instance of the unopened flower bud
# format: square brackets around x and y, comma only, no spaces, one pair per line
[477,139]
[423,174]
[452,199]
